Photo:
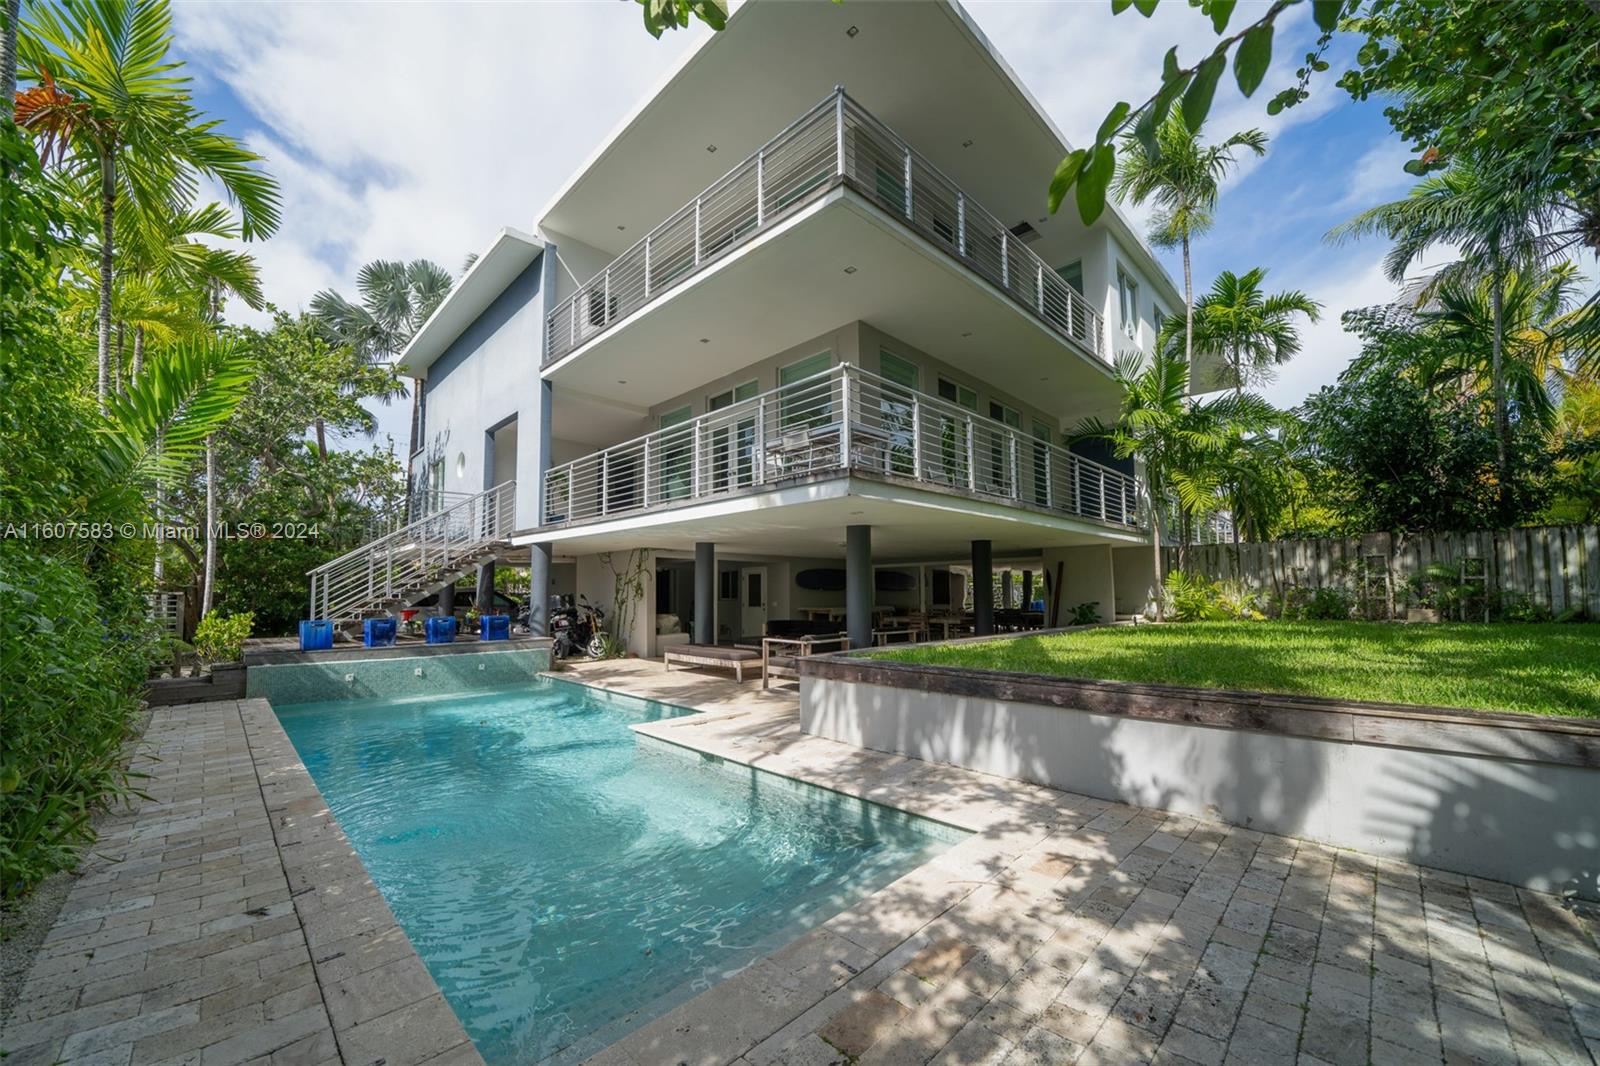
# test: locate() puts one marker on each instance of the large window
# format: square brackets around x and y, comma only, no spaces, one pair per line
[1128,300]
[677,454]
[895,408]
[802,404]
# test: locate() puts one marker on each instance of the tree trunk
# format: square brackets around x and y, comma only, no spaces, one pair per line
[1155,541]
[1502,425]
[138,354]
[322,438]
[116,366]
[108,210]
[8,52]
[211,528]
[161,539]
[1188,311]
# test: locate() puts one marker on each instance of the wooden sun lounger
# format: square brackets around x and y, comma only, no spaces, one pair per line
[735,659]
[780,656]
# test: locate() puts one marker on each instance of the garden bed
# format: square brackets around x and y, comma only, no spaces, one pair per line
[1528,669]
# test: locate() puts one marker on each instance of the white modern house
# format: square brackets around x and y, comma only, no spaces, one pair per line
[798,341]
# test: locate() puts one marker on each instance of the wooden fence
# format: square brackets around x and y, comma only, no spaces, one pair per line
[1556,567]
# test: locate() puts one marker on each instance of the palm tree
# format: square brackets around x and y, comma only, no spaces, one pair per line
[1500,228]
[112,111]
[1177,442]
[396,299]
[1181,177]
[1249,331]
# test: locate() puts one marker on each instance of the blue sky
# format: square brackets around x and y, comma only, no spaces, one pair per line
[401,130]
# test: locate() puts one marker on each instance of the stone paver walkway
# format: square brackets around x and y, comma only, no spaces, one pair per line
[1070,929]
[227,920]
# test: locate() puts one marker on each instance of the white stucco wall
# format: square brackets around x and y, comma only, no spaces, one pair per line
[488,375]
[1529,823]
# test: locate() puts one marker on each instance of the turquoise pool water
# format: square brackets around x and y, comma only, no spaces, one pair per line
[565,880]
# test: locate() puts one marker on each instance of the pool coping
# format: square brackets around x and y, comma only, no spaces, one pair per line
[758,1013]
[383,1003]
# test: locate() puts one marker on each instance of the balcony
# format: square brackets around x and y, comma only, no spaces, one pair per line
[837,143]
[841,421]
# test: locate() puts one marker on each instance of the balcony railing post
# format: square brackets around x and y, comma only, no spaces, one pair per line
[1016,466]
[605,482]
[908,185]
[838,129]
[646,488]
[916,437]
[647,267]
[845,415]
[697,231]
[1005,259]
[1040,290]
[572,320]
[572,490]
[694,457]
[759,460]
[972,466]
[961,223]
[761,193]
[605,290]
[1049,478]
[1077,488]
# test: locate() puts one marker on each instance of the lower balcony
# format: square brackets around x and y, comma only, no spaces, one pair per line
[843,421]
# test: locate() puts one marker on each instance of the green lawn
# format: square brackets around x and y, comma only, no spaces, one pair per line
[1533,669]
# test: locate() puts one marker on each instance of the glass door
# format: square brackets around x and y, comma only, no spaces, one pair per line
[896,409]
[676,474]
[1042,434]
[1000,447]
[733,443]
[954,445]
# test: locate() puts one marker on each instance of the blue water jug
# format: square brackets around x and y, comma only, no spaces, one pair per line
[440,629]
[379,632]
[316,634]
[494,627]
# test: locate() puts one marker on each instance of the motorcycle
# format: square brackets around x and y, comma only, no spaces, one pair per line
[577,631]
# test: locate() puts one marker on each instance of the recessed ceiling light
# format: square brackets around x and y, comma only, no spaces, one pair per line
[622,381]
[966,144]
[711,148]
[622,227]
[852,31]
[705,340]
[968,333]
[858,512]
[849,270]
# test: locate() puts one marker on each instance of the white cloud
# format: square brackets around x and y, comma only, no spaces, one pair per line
[1345,283]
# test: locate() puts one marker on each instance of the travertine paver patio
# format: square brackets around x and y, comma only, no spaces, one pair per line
[1069,929]
[227,920]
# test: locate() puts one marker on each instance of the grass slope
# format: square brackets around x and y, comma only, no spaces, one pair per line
[1533,669]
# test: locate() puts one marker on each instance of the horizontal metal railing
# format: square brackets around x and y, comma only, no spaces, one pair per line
[838,142]
[413,556]
[843,419]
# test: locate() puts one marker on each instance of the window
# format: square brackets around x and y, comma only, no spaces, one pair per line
[895,409]
[677,455]
[1072,274]
[1158,319]
[1000,446]
[728,585]
[958,394]
[802,404]
[729,397]
[1128,300]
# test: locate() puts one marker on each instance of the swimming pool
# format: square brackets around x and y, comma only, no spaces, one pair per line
[566,881]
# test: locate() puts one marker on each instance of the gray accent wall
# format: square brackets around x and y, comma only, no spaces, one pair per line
[487,377]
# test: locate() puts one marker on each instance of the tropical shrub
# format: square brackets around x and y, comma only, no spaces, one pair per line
[1190,598]
[1085,614]
[69,675]
[1327,604]
[219,638]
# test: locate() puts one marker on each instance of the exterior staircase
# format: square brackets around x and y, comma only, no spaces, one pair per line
[416,560]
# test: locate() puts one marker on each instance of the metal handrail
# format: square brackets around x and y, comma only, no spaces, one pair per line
[843,419]
[837,142]
[409,558]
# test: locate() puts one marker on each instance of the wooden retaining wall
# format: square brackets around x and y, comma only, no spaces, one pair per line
[1557,567]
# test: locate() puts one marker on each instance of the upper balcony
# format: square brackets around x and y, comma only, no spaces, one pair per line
[835,144]
[842,421]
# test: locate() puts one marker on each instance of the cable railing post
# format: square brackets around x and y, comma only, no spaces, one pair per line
[694,458]
[761,198]
[647,267]
[759,460]
[1040,292]
[1016,467]
[908,185]
[838,128]
[846,415]
[572,490]
[605,305]
[972,466]
[605,482]
[916,437]
[1005,259]
[961,222]
[645,489]
[697,231]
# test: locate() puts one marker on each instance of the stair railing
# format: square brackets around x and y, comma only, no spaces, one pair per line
[413,556]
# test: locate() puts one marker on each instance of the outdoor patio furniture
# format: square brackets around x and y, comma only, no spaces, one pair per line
[905,634]
[780,656]
[715,656]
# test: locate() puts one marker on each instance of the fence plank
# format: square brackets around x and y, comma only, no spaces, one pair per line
[1591,569]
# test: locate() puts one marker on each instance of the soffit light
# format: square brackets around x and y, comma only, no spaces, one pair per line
[849,270]
[711,148]
[852,31]
[967,143]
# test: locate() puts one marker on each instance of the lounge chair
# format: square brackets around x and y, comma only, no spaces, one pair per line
[713,655]
[780,656]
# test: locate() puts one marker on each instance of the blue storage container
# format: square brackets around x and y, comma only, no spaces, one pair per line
[494,627]
[316,635]
[441,629]
[379,632]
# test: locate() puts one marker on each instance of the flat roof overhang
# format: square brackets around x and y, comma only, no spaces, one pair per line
[508,255]
[908,524]
[925,69]
[790,285]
